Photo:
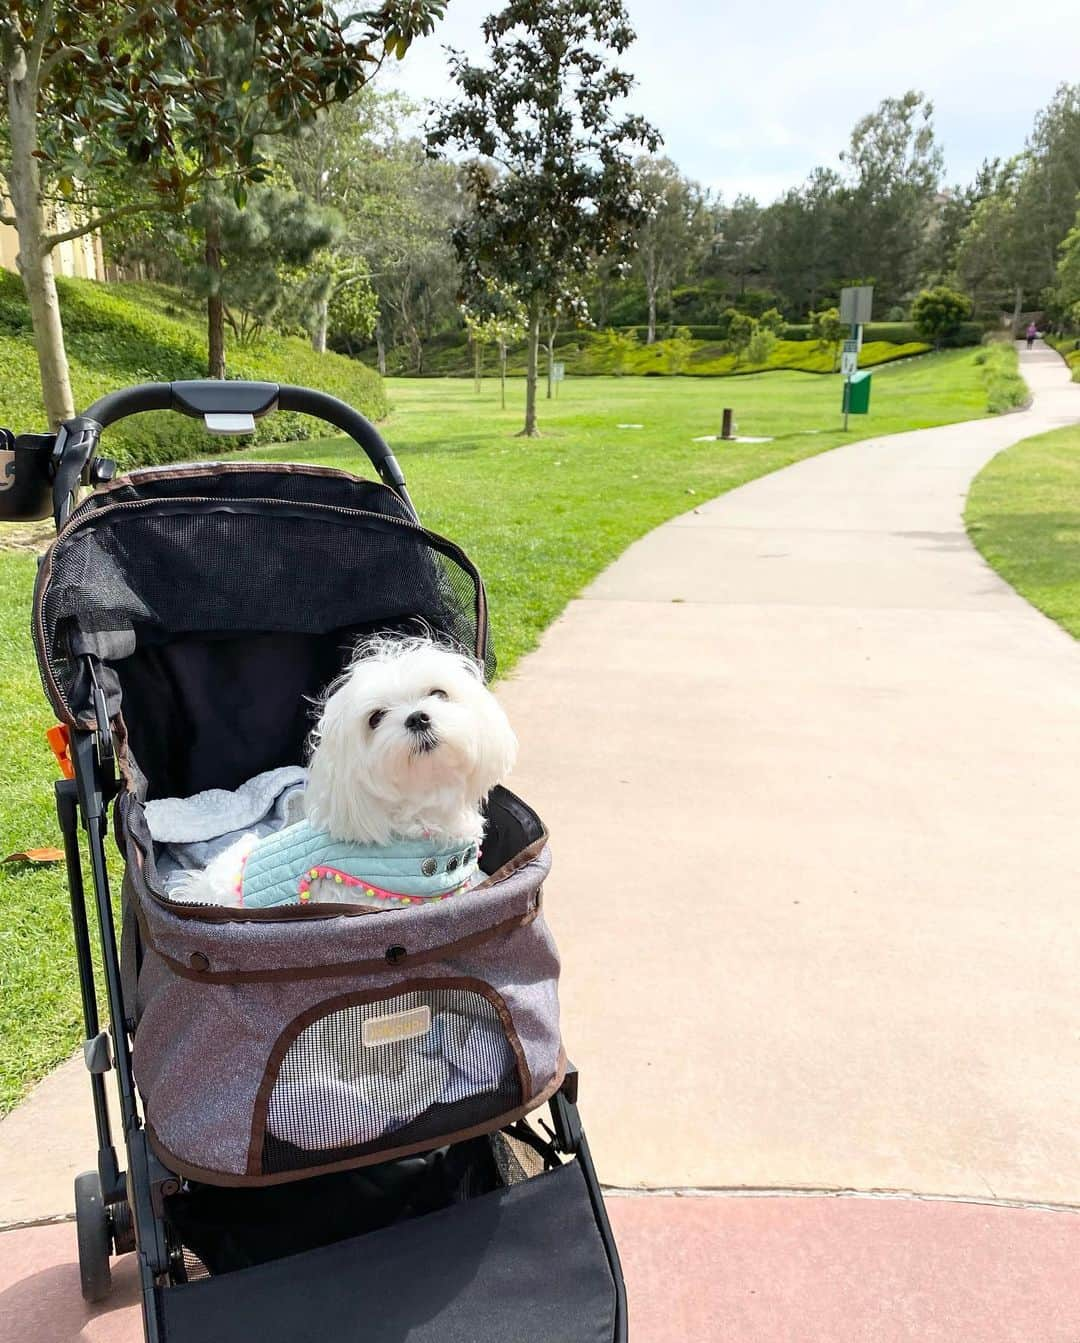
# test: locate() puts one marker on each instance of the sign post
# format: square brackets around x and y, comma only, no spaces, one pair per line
[856,305]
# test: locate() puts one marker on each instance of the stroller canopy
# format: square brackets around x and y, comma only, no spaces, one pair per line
[210,601]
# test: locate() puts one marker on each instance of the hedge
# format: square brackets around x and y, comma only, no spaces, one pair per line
[118,334]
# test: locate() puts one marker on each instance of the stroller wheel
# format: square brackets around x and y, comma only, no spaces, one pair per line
[92,1229]
[122,1227]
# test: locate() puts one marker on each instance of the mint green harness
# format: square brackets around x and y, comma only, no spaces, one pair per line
[282,868]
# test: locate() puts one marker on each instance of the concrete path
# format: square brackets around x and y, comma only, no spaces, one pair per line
[815,767]
[718,1270]
[812,775]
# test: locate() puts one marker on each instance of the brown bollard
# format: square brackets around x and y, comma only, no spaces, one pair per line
[727,431]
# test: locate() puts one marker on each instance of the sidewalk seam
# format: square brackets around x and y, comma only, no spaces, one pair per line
[898,1195]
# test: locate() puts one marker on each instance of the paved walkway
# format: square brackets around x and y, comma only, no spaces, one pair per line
[816,767]
[811,772]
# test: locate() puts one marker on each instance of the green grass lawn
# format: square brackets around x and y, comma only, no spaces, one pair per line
[540,517]
[1023,513]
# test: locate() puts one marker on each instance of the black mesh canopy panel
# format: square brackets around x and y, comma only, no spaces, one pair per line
[208,589]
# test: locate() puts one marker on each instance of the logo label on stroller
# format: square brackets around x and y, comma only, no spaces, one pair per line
[397,1026]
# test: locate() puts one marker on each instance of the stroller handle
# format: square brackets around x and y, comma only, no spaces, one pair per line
[77,440]
[211,396]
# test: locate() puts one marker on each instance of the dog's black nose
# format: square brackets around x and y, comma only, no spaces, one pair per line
[418,721]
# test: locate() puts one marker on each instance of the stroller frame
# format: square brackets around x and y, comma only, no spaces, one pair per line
[122,1210]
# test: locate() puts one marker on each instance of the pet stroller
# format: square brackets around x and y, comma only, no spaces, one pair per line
[182,618]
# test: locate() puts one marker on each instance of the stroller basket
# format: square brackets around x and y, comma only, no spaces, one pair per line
[184,620]
[278,1043]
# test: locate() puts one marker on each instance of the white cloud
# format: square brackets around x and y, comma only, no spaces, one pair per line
[752,97]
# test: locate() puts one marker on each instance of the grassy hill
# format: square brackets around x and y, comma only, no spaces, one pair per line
[127,333]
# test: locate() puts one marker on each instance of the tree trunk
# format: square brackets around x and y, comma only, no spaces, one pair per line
[502,372]
[478,366]
[34,260]
[552,331]
[1017,308]
[322,320]
[530,430]
[651,337]
[215,307]
[380,349]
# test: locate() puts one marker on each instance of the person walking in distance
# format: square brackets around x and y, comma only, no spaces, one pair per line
[1031,334]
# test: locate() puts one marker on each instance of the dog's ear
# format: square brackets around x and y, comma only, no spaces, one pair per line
[338,798]
[497,746]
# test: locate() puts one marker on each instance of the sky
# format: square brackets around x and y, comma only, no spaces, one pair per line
[751,96]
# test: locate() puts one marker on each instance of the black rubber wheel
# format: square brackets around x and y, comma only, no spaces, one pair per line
[121,1227]
[92,1229]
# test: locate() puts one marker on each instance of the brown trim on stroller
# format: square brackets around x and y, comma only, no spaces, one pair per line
[337,969]
[185,469]
[358,998]
[190,1172]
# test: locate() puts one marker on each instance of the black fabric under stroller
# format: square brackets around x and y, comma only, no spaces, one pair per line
[181,618]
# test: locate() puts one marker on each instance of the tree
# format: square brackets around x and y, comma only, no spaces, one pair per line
[761,344]
[938,313]
[801,238]
[736,249]
[680,347]
[495,317]
[351,158]
[772,319]
[741,327]
[1048,183]
[90,88]
[264,249]
[1068,271]
[894,170]
[828,330]
[613,351]
[542,111]
[675,233]
[995,261]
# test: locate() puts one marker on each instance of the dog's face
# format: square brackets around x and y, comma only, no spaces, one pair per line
[410,740]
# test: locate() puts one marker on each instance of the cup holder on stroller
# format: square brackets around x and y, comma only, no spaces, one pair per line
[25,483]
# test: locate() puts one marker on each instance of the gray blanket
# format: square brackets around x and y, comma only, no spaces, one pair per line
[191,831]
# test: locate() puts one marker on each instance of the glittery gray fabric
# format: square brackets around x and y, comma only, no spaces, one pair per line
[203,1047]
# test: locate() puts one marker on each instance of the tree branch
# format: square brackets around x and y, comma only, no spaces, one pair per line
[46,67]
[52,240]
[42,28]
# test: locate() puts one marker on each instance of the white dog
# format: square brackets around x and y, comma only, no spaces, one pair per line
[409,744]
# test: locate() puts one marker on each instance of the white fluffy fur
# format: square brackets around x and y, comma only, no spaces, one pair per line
[368,785]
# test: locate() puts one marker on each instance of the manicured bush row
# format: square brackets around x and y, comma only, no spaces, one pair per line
[587,353]
[1069,349]
[1000,367]
[127,333]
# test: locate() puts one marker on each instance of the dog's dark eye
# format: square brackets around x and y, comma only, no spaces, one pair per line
[376,718]
[438,694]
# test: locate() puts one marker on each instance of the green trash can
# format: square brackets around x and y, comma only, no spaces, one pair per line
[858,394]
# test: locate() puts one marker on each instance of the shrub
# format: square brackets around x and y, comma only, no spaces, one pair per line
[938,313]
[761,345]
[773,320]
[828,330]
[1000,368]
[679,349]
